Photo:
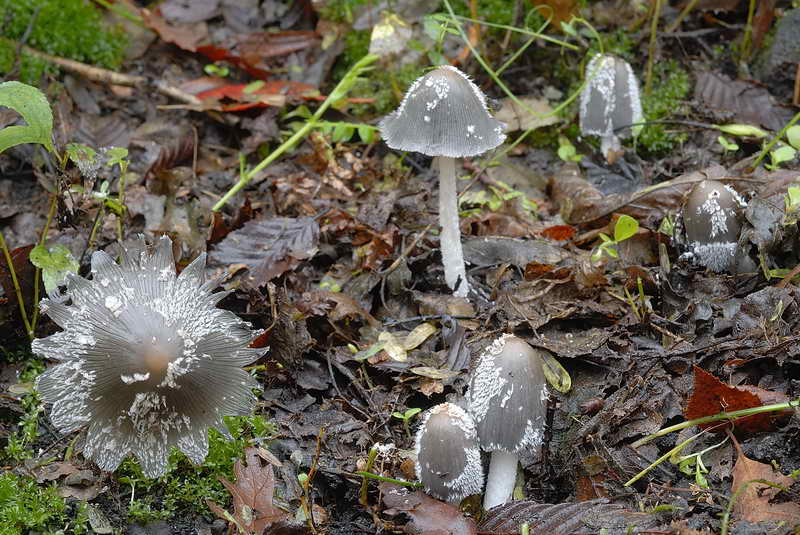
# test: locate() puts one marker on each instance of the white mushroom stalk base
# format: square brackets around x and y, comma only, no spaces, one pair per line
[502,476]
[450,238]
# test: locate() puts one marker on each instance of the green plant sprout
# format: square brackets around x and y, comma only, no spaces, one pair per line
[566,150]
[692,464]
[212,69]
[339,131]
[406,417]
[339,92]
[55,262]
[624,228]
[776,139]
[727,144]
[791,205]
[781,153]
[493,201]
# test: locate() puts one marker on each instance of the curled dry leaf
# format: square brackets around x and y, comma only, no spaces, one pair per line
[758,502]
[252,495]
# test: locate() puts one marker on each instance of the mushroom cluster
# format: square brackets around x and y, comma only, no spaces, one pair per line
[146,360]
[711,218]
[507,405]
[444,114]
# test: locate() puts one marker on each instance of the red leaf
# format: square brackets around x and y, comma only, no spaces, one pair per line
[559,232]
[712,396]
[273,93]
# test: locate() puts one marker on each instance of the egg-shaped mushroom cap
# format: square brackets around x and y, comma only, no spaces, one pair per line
[448,457]
[610,99]
[507,396]
[712,221]
[443,114]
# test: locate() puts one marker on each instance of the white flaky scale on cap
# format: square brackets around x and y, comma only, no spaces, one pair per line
[508,400]
[609,101]
[146,360]
[712,222]
[444,114]
[448,456]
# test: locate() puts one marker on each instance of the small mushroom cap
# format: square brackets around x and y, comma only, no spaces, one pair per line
[448,457]
[610,99]
[507,396]
[443,114]
[712,220]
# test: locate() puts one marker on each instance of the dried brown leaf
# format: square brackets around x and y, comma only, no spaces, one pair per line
[755,502]
[428,516]
[252,495]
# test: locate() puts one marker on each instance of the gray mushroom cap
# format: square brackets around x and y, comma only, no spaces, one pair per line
[448,457]
[712,221]
[610,99]
[443,114]
[507,396]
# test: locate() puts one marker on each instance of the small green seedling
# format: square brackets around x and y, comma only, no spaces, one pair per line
[566,150]
[212,69]
[32,105]
[625,227]
[406,417]
[741,130]
[792,199]
[55,262]
[727,144]
[780,154]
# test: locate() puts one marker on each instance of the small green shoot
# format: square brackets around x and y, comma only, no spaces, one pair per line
[566,150]
[782,153]
[742,130]
[212,69]
[793,136]
[406,417]
[55,262]
[727,144]
[624,228]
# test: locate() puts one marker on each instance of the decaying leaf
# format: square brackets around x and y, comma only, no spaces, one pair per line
[756,503]
[252,495]
[269,247]
[428,516]
[712,396]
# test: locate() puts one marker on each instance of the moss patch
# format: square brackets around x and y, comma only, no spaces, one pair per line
[670,89]
[67,28]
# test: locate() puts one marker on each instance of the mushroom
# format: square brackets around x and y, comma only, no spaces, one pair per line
[146,360]
[508,400]
[444,114]
[609,101]
[448,456]
[712,220]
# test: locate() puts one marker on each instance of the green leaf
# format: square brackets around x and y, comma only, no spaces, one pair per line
[366,133]
[342,132]
[410,413]
[793,136]
[625,228]
[727,144]
[742,130]
[782,154]
[55,264]
[32,105]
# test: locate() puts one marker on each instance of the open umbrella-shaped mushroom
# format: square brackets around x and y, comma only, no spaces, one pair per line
[444,114]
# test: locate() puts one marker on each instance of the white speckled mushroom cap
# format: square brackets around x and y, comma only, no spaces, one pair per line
[610,99]
[145,359]
[712,220]
[443,114]
[507,396]
[448,457]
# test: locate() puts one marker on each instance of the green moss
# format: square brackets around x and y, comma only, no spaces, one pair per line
[25,506]
[670,89]
[340,10]
[185,487]
[19,445]
[66,28]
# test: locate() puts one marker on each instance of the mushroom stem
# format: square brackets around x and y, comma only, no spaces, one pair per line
[502,476]
[450,238]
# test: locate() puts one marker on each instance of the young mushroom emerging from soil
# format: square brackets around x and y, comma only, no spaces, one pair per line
[609,101]
[448,456]
[711,218]
[444,114]
[146,360]
[508,400]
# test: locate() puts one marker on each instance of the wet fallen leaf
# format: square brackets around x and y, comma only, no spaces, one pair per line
[755,502]
[246,96]
[185,36]
[428,516]
[269,247]
[252,495]
[712,396]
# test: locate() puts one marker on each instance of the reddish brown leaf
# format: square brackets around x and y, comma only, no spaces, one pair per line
[559,232]
[185,36]
[755,502]
[25,272]
[252,495]
[428,516]
[273,93]
[712,396]
[249,51]
[560,10]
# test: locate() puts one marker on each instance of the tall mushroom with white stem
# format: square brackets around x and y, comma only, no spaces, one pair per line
[609,102]
[444,114]
[508,401]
